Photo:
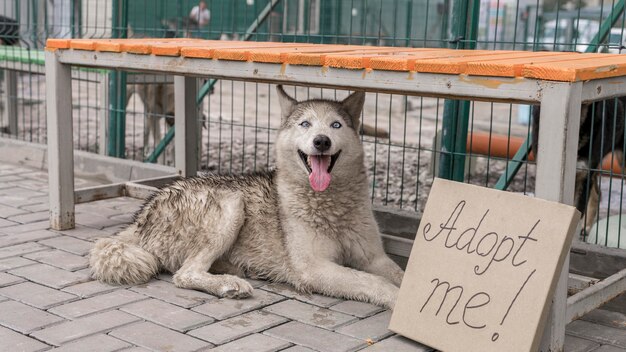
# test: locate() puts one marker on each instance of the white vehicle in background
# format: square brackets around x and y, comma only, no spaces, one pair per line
[616,41]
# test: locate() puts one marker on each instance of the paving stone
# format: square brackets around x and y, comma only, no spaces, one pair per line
[50,276]
[289,291]
[60,259]
[608,348]
[97,303]
[358,309]
[237,327]
[69,244]
[15,262]
[21,249]
[315,338]
[97,209]
[167,292]
[298,349]
[96,221]
[37,207]
[85,233]
[33,226]
[111,230]
[13,341]
[310,314]
[224,308]
[5,223]
[167,314]
[8,279]
[253,343]
[596,332]
[92,288]
[7,211]
[91,325]
[373,328]
[256,283]
[606,317]
[31,217]
[154,337]
[576,344]
[37,295]
[19,238]
[23,318]
[123,218]
[399,344]
[96,343]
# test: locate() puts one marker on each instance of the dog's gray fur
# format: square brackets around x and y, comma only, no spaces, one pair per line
[270,225]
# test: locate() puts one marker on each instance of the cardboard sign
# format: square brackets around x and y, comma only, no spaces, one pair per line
[483,269]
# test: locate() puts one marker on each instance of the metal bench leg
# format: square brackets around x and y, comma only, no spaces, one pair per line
[186,123]
[60,143]
[10,103]
[556,171]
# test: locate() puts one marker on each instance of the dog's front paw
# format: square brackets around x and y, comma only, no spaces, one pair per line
[387,297]
[235,287]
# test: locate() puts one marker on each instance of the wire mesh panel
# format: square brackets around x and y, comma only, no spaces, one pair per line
[402,135]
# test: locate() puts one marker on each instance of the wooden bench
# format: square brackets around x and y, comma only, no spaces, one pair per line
[559,82]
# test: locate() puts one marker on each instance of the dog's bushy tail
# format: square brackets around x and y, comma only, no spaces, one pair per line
[120,260]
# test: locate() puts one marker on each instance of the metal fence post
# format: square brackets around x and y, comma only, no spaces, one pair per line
[117,87]
[456,112]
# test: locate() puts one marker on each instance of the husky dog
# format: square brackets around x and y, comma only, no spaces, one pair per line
[308,223]
[601,132]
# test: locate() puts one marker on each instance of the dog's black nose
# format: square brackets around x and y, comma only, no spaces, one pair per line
[321,142]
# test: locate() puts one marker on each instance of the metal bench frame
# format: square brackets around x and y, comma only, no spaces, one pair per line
[560,111]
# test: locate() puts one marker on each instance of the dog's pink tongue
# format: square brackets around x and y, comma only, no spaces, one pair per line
[319,177]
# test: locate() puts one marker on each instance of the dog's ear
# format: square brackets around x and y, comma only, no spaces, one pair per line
[353,105]
[287,103]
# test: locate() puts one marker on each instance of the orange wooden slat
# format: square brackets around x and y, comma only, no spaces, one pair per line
[360,59]
[599,66]
[456,64]
[319,58]
[246,53]
[57,43]
[280,55]
[513,67]
[406,62]
[209,50]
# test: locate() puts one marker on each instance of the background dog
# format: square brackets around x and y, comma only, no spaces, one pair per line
[601,132]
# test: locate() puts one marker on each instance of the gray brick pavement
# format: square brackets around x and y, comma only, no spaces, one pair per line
[167,314]
[254,343]
[91,325]
[96,343]
[69,244]
[49,276]
[8,279]
[97,304]
[309,314]
[237,327]
[60,259]
[166,291]
[37,295]
[224,308]
[373,328]
[157,338]
[315,338]
[13,341]
[25,319]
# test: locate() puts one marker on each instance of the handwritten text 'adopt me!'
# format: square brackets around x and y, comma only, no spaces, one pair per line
[482,269]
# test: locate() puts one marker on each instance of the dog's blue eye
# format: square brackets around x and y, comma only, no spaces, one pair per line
[335,124]
[305,124]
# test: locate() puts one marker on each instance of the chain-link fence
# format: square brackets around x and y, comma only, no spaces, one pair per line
[401,134]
